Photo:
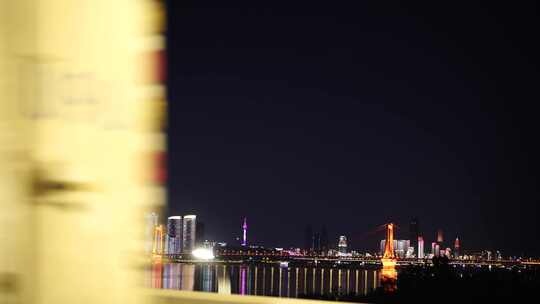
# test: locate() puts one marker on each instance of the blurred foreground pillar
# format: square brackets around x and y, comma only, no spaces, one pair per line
[81,147]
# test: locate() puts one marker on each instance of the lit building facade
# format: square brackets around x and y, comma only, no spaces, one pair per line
[166,244]
[175,233]
[420,247]
[410,252]
[381,249]
[401,247]
[457,247]
[342,244]
[189,233]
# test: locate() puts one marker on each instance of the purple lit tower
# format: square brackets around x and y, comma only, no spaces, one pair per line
[244,228]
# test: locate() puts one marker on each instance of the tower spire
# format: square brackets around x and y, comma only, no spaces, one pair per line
[244,228]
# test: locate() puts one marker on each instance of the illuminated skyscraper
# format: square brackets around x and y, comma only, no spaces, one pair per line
[437,250]
[175,245]
[457,247]
[188,233]
[433,245]
[342,244]
[174,230]
[420,253]
[174,226]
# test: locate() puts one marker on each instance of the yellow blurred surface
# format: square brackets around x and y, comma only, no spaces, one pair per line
[161,296]
[77,135]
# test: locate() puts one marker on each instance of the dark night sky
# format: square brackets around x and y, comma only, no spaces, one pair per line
[353,114]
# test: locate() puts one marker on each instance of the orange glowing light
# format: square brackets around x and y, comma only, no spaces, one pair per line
[389,245]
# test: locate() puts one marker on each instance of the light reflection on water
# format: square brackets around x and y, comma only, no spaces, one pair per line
[269,279]
[389,279]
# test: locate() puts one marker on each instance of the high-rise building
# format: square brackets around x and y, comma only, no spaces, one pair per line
[457,247]
[440,238]
[166,244]
[410,252]
[151,221]
[414,232]
[308,238]
[189,233]
[199,234]
[175,233]
[342,244]
[324,240]
[437,250]
[433,244]
[173,244]
[420,253]
[316,242]
[401,247]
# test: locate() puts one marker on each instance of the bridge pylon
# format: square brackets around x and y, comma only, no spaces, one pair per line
[389,258]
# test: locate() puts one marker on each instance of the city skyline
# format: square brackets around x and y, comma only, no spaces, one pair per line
[315,242]
[355,116]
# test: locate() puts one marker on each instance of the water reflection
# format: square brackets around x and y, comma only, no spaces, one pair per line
[156,275]
[178,276]
[389,278]
[243,280]
[269,279]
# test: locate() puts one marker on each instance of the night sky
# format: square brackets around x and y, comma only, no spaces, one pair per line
[354,114]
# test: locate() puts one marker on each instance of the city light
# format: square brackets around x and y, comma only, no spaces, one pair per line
[203,254]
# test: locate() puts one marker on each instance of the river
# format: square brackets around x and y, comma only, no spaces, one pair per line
[268,279]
